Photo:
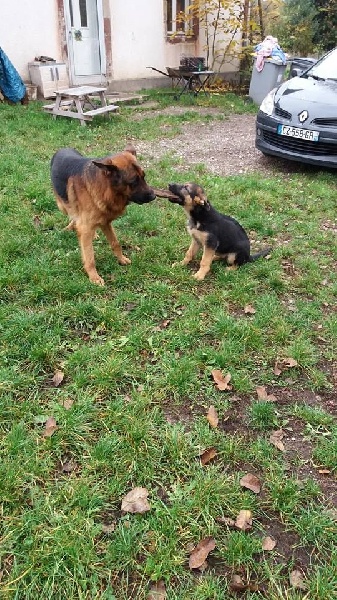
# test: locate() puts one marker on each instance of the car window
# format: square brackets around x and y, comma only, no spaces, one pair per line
[325,68]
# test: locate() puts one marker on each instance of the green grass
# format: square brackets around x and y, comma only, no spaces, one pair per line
[137,357]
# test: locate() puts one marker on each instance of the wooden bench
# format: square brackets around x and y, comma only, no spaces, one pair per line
[52,106]
[101,110]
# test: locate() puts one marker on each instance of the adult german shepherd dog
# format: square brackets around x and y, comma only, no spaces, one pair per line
[220,236]
[95,191]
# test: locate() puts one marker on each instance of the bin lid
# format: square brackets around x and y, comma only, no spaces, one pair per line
[272,60]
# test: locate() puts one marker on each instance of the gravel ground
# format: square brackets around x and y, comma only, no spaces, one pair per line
[225,147]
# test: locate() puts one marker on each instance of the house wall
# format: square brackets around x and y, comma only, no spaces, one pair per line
[139,40]
[29,29]
[136,41]
[231,64]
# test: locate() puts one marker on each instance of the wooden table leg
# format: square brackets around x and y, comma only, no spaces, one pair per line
[79,106]
[57,104]
[103,98]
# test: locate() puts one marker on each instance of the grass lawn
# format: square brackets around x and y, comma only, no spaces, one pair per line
[107,389]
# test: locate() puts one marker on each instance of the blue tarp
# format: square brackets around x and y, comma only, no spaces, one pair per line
[11,84]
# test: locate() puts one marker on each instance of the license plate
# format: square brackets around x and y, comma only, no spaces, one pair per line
[298,132]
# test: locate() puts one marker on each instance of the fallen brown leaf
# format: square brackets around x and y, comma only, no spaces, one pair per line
[36,221]
[67,403]
[136,501]
[296,579]
[244,520]
[251,482]
[249,309]
[225,521]
[237,585]
[212,417]
[277,371]
[275,439]
[286,363]
[222,382]
[268,543]
[50,427]
[163,325]
[108,528]
[290,362]
[200,552]
[208,455]
[157,591]
[58,378]
[263,395]
[69,466]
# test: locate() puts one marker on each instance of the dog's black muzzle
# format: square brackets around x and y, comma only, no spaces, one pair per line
[143,197]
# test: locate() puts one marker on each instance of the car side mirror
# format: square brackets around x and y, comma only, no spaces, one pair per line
[296,72]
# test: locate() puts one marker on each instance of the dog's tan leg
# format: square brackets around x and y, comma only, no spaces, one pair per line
[190,254]
[86,237]
[205,263]
[72,227]
[109,232]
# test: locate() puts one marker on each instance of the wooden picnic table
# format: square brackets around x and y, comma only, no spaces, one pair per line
[83,103]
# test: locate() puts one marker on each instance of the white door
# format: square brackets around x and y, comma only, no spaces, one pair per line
[85,41]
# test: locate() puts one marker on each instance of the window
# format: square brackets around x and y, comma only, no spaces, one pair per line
[83,13]
[176,17]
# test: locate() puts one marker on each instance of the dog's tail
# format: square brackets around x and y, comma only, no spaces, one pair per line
[259,254]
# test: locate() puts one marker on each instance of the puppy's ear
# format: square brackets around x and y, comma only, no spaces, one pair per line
[200,199]
[130,148]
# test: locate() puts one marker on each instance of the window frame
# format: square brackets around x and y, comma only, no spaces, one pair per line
[173,34]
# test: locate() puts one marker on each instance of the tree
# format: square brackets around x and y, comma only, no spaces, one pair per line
[222,23]
[296,27]
[325,24]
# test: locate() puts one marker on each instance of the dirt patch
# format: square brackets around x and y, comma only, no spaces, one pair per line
[224,146]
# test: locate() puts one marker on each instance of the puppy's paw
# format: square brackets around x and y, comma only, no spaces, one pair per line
[199,276]
[123,260]
[179,263]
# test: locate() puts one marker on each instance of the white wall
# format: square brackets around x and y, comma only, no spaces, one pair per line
[137,32]
[28,29]
[139,40]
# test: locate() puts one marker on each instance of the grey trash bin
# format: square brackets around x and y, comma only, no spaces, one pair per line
[264,81]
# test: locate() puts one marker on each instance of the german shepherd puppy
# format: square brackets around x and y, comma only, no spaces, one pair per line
[220,236]
[94,192]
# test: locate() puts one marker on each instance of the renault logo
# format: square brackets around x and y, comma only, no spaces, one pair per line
[303,116]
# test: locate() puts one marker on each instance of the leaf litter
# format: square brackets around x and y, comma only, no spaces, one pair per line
[207,455]
[200,552]
[212,417]
[276,437]
[50,427]
[251,482]
[222,381]
[136,501]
